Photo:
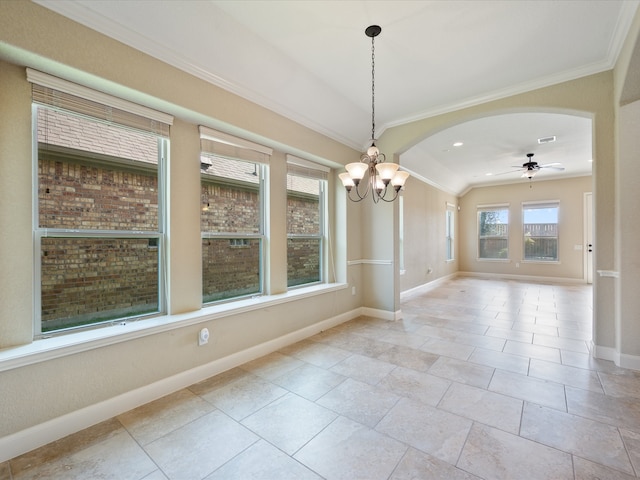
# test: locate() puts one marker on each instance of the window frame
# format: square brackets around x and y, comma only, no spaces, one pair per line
[488,208]
[56,94]
[540,205]
[301,167]
[214,143]
[450,220]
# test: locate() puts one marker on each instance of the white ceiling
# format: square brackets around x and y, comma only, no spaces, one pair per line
[311,61]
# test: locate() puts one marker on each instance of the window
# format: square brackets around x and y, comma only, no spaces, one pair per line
[450,232]
[232,172]
[540,222]
[306,207]
[493,232]
[99,224]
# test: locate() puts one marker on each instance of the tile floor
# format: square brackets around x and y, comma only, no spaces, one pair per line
[481,379]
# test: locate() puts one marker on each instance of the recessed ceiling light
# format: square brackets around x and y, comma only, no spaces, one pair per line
[458,144]
[488,174]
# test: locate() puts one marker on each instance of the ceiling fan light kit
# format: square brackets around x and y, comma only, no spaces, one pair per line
[372,163]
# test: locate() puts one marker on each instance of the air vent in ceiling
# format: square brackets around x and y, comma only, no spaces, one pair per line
[550,139]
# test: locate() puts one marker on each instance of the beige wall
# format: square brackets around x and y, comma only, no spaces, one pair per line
[45,390]
[424,235]
[570,194]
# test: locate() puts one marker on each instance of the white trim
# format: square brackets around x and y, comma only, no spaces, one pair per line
[369,262]
[622,360]
[49,81]
[540,203]
[489,206]
[207,133]
[68,344]
[381,314]
[54,429]
[426,287]
[526,278]
[608,273]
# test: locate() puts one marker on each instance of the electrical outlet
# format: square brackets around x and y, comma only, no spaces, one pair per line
[203,337]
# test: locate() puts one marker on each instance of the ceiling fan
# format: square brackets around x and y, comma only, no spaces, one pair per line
[531,167]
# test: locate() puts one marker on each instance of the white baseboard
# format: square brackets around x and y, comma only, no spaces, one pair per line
[382,314]
[525,278]
[30,438]
[427,287]
[623,360]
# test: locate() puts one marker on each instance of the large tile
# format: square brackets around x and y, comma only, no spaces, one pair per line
[532,351]
[530,389]
[348,450]
[585,438]
[262,461]
[632,442]
[509,334]
[289,422]
[358,344]
[104,451]
[463,372]
[483,406]
[439,346]
[560,342]
[555,372]
[419,465]
[272,366]
[416,385]
[360,401]
[621,385]
[586,470]
[200,447]
[503,361]
[218,381]
[494,454]
[5,471]
[426,428]
[309,381]
[318,354]
[409,357]
[621,412]
[153,420]
[243,397]
[363,368]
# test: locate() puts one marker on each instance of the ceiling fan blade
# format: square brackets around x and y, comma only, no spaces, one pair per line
[556,164]
[519,169]
[553,166]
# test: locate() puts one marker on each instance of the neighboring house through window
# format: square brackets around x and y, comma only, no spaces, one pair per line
[232,172]
[306,221]
[99,228]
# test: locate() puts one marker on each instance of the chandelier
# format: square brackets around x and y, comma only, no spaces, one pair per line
[372,164]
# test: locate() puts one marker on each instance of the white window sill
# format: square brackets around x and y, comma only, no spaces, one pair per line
[498,260]
[541,262]
[68,344]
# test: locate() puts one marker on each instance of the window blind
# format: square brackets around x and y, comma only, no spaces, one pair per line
[305,168]
[226,145]
[61,94]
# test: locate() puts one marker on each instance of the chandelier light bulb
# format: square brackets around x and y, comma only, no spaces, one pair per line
[356,171]
[347,181]
[387,171]
[398,179]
